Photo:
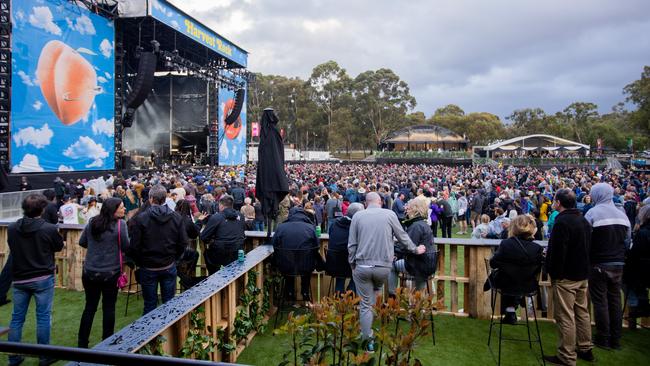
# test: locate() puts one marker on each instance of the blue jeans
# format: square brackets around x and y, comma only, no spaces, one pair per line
[258,225]
[149,281]
[43,293]
[339,285]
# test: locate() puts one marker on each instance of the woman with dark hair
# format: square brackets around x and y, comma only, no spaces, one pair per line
[106,238]
[184,208]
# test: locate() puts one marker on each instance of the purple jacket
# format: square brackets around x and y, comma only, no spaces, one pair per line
[436,211]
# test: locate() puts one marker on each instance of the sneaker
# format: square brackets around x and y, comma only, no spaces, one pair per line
[586,355]
[509,318]
[600,343]
[370,348]
[554,360]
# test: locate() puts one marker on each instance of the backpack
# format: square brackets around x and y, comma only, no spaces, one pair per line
[337,209]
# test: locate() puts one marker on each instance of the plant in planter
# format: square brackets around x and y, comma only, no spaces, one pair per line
[198,344]
[155,347]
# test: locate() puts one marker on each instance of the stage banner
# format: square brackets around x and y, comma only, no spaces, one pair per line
[62,88]
[183,23]
[232,138]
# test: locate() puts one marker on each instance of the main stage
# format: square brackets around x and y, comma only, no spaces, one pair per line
[89,87]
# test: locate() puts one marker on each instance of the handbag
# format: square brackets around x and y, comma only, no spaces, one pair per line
[122,280]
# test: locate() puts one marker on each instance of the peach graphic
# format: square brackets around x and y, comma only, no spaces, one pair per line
[68,81]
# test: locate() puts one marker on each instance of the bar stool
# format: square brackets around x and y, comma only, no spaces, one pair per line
[337,266]
[530,296]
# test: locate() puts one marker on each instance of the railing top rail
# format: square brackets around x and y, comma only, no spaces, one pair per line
[145,329]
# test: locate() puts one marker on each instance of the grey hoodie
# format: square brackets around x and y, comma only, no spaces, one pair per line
[611,227]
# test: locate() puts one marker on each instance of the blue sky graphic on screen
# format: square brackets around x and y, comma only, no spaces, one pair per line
[62,88]
[232,148]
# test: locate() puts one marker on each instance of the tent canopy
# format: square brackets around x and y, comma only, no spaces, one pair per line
[536,142]
[424,134]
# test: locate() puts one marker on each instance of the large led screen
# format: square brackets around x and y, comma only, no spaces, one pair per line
[232,138]
[62,105]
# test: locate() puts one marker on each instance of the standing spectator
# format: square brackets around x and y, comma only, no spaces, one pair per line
[371,254]
[51,212]
[248,211]
[24,185]
[482,230]
[447,217]
[567,263]
[462,209]
[33,242]
[476,207]
[630,207]
[70,211]
[319,211]
[238,194]
[223,235]
[92,210]
[435,216]
[258,224]
[333,209]
[158,238]
[399,207]
[192,229]
[106,239]
[611,236]
[636,275]
[587,204]
[338,241]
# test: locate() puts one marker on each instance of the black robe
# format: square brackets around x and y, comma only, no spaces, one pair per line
[271,185]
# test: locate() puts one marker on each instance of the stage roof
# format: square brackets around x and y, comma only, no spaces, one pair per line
[424,134]
[178,23]
[536,142]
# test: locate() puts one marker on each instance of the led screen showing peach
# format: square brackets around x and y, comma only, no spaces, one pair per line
[232,131]
[68,81]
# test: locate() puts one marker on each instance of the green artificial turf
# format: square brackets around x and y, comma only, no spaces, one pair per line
[66,314]
[463,341]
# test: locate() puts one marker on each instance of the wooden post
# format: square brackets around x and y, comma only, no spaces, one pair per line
[478,303]
[453,263]
[76,257]
[4,246]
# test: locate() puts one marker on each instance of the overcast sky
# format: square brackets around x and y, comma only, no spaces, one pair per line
[485,56]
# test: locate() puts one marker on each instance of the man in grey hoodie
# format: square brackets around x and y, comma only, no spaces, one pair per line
[371,253]
[609,239]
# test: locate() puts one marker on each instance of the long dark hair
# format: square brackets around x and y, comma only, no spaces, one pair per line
[183,207]
[106,217]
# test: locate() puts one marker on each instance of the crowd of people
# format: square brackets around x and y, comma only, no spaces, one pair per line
[152,218]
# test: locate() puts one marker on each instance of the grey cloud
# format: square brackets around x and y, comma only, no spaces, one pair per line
[493,56]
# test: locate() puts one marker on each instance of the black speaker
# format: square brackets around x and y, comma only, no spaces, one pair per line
[239,103]
[141,86]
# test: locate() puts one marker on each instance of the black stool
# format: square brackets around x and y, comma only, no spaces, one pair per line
[337,266]
[292,263]
[526,296]
[128,289]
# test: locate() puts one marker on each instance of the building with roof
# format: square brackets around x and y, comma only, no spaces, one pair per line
[424,138]
[538,144]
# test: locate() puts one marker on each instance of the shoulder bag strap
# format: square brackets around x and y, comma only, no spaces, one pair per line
[119,244]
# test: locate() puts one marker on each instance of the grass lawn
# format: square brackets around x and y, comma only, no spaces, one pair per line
[66,314]
[463,341]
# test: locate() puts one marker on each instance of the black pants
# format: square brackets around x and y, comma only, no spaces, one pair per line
[305,287]
[98,285]
[434,228]
[445,225]
[605,294]
[215,258]
[5,280]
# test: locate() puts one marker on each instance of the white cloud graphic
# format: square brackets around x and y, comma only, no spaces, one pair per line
[26,79]
[20,15]
[40,137]
[37,105]
[84,25]
[87,148]
[102,79]
[108,76]
[106,48]
[175,24]
[98,163]
[70,23]
[223,151]
[104,126]
[163,9]
[42,18]
[29,164]
[86,51]
[65,168]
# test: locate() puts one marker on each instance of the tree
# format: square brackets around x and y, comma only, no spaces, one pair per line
[382,100]
[638,92]
[449,110]
[328,82]
[579,115]
[415,119]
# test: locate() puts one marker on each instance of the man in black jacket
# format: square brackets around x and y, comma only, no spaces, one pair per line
[296,247]
[223,235]
[33,242]
[158,238]
[567,262]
